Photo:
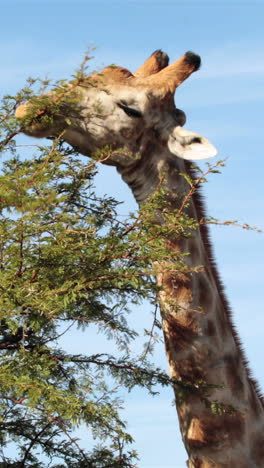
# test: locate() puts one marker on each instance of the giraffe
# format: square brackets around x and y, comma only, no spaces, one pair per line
[138,114]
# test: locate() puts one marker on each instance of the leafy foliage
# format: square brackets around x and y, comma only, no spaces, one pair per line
[65,259]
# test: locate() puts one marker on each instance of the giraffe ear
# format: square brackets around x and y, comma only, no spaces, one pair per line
[189,145]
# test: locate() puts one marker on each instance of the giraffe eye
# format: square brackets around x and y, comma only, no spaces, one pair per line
[130,111]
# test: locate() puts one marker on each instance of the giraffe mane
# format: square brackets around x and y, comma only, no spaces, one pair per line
[199,202]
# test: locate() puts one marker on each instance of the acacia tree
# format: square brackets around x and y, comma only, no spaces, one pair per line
[66,258]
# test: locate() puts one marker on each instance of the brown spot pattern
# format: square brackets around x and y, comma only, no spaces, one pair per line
[214,430]
[181,334]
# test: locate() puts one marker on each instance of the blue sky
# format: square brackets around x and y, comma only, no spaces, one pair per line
[223,101]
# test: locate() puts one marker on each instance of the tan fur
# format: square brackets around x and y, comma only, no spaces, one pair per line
[21,111]
[168,79]
[156,62]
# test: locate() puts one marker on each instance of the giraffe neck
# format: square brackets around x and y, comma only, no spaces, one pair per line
[221,415]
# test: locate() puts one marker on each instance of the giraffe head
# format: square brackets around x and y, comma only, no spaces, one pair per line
[133,114]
